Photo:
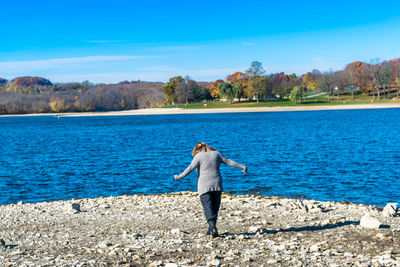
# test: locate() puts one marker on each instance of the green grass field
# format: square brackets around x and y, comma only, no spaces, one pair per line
[317,101]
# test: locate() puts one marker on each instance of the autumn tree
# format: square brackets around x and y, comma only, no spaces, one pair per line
[256,80]
[31,81]
[359,75]
[171,88]
[282,84]
[214,91]
[57,104]
[240,80]
[396,74]
[311,81]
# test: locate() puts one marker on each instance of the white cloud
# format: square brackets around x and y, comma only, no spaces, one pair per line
[207,72]
[181,48]
[31,65]
[157,73]
[103,41]
[109,77]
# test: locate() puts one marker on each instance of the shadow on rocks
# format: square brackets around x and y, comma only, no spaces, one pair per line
[297,229]
[319,227]
[4,245]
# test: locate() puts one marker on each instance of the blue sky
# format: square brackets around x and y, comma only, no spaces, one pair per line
[111,41]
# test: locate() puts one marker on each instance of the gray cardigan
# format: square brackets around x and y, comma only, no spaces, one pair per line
[209,176]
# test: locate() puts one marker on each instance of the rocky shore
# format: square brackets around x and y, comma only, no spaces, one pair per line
[169,230]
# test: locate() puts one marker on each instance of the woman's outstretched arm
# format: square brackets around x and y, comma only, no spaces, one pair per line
[189,169]
[233,164]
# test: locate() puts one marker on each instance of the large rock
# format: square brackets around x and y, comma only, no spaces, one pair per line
[390,210]
[72,208]
[76,207]
[369,222]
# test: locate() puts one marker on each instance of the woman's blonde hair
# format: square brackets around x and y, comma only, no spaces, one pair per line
[201,147]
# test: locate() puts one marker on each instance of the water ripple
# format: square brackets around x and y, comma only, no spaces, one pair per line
[325,155]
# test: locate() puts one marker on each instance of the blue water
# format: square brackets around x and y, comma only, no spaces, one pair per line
[326,155]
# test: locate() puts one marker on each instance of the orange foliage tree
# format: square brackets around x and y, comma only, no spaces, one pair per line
[214,90]
[310,81]
[396,74]
[358,75]
[241,80]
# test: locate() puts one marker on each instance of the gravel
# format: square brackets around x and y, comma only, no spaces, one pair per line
[169,230]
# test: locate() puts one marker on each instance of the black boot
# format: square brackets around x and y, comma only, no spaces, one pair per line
[212,230]
[209,227]
[209,231]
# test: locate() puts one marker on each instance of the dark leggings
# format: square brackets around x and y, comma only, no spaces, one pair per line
[211,202]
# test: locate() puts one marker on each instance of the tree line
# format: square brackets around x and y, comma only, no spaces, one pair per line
[39,95]
[374,78]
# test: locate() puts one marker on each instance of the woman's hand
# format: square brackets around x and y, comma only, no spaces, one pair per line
[244,170]
[176,177]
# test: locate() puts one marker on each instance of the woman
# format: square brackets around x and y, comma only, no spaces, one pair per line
[209,185]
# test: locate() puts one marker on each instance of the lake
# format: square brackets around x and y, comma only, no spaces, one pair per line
[348,155]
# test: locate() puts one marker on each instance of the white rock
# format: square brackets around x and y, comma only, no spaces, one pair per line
[237,212]
[271,261]
[314,209]
[325,222]
[348,255]
[176,231]
[254,228]
[104,244]
[380,236]
[369,222]
[253,251]
[158,263]
[315,248]
[214,262]
[390,210]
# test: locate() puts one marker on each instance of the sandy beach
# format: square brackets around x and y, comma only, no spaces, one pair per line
[169,230]
[167,111]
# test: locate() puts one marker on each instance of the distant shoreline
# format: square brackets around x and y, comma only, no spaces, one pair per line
[172,111]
